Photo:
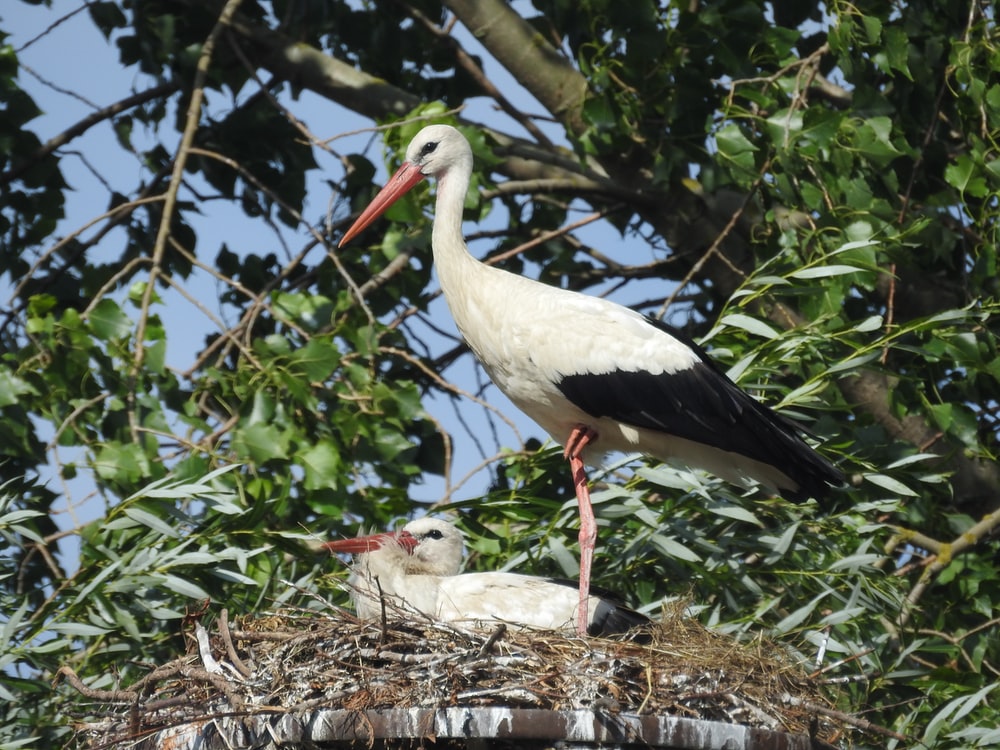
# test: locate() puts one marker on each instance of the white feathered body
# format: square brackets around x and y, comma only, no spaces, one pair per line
[425,583]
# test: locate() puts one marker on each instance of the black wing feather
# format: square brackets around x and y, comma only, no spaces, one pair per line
[703,405]
[611,616]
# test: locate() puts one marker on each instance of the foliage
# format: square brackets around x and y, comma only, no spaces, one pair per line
[835,251]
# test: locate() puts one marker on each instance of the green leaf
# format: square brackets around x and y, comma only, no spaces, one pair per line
[108,321]
[13,387]
[800,615]
[80,629]
[261,442]
[15,516]
[871,323]
[121,463]
[565,559]
[820,272]
[184,587]
[322,466]
[897,50]
[780,548]
[785,126]
[232,576]
[319,358]
[156,357]
[11,625]
[959,172]
[751,325]
[736,512]
[853,363]
[673,548]
[954,711]
[798,395]
[735,146]
[151,521]
[873,28]
[888,483]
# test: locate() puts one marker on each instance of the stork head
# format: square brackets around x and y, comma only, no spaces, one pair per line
[437,149]
[427,546]
[433,152]
[437,547]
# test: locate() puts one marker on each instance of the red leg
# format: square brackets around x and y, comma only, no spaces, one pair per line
[578,440]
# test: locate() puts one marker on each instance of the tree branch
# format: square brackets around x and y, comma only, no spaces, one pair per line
[327,76]
[81,127]
[528,56]
[974,480]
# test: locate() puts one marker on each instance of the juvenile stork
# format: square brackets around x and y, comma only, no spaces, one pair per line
[416,570]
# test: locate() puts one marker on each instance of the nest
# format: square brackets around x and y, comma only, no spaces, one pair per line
[247,683]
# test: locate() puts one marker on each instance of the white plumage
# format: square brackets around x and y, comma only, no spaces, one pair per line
[415,572]
[597,376]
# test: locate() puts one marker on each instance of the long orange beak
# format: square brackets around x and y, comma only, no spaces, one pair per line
[398,185]
[363,544]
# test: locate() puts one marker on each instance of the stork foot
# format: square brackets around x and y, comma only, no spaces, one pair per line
[578,440]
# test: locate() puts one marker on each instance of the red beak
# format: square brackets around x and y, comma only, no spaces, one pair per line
[398,185]
[362,544]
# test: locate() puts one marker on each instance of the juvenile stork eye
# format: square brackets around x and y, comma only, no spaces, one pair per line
[427,150]
[434,534]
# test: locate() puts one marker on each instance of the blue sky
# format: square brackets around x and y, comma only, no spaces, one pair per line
[85,71]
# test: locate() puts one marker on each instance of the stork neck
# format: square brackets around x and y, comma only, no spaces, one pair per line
[450,250]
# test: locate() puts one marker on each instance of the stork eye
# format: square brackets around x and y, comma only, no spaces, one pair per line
[427,150]
[434,534]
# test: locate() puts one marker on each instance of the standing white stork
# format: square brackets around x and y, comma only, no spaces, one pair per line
[597,376]
[416,569]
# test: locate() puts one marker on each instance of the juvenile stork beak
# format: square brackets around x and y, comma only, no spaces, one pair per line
[364,544]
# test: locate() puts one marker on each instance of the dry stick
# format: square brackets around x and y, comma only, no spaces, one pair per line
[122,273]
[449,387]
[384,620]
[395,266]
[105,696]
[227,638]
[41,549]
[957,642]
[448,452]
[812,60]
[159,247]
[917,164]
[48,30]
[71,417]
[249,317]
[905,203]
[311,139]
[495,636]
[446,498]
